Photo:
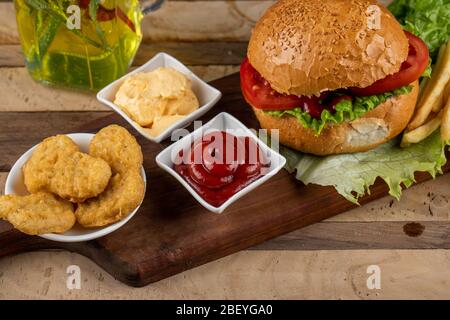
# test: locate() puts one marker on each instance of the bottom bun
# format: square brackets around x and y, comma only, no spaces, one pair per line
[374,128]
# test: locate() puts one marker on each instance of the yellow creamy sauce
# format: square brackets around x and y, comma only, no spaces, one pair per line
[157,99]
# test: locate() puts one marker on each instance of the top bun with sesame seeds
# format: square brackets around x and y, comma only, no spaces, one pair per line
[305,47]
[325,74]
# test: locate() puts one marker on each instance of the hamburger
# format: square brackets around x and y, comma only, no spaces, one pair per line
[334,76]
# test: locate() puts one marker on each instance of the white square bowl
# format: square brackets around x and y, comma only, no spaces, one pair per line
[222,122]
[206,94]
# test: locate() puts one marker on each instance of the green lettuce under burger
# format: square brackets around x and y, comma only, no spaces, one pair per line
[353,174]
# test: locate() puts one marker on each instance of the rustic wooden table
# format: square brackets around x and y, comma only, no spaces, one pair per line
[327,260]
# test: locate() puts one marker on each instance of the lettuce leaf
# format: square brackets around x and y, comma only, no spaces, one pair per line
[427,72]
[346,110]
[353,174]
[428,19]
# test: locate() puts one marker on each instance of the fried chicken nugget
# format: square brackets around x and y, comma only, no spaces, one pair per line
[123,194]
[57,166]
[39,168]
[37,213]
[118,148]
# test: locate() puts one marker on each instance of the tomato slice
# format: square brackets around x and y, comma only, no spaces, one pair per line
[410,71]
[258,93]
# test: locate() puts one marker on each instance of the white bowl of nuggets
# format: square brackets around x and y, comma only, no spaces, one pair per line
[160,96]
[76,187]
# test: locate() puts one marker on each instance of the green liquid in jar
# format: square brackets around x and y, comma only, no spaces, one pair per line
[87,58]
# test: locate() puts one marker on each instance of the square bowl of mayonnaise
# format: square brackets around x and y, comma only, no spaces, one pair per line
[160,96]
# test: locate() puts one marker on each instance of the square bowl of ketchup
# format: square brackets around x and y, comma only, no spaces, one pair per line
[221,161]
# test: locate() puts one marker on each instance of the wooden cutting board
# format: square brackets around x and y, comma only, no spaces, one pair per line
[172,232]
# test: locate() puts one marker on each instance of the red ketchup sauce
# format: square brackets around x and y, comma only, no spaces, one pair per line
[220,164]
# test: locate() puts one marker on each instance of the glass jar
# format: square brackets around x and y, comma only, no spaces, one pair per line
[83,44]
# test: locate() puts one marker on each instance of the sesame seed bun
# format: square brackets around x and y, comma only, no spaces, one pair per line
[376,127]
[304,47]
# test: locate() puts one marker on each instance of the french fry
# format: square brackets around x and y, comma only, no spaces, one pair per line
[445,124]
[432,98]
[447,91]
[444,73]
[422,89]
[422,132]
[429,82]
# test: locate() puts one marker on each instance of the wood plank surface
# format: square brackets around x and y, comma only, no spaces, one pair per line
[3,176]
[11,55]
[177,21]
[20,93]
[210,20]
[325,274]
[364,235]
[190,53]
[20,131]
